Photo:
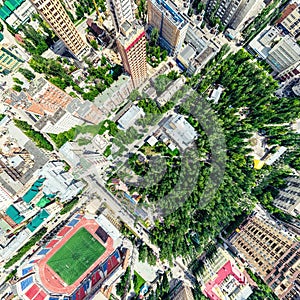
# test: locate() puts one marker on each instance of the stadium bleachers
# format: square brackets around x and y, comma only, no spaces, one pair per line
[34,261]
[26,270]
[86,285]
[43,251]
[32,291]
[64,231]
[26,283]
[104,268]
[52,243]
[40,296]
[73,222]
[95,278]
[80,294]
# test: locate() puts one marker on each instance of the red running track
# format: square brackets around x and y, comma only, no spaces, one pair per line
[52,281]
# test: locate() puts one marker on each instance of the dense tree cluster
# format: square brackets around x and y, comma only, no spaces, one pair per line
[98,79]
[124,285]
[36,136]
[27,74]
[87,7]
[247,105]
[146,254]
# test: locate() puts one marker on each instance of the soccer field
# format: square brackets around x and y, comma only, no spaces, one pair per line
[76,256]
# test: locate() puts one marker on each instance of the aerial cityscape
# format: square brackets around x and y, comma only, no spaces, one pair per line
[150,149]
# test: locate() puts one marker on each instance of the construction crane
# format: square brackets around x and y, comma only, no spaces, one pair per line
[100,20]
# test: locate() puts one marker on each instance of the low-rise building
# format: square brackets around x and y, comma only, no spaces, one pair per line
[288,199]
[130,116]
[61,121]
[222,279]
[58,182]
[21,14]
[180,131]
[9,62]
[167,95]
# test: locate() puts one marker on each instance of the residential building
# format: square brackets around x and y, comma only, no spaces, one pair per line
[61,121]
[55,15]
[180,131]
[284,54]
[288,199]
[85,110]
[171,90]
[272,253]
[290,20]
[121,11]
[234,14]
[222,279]
[115,95]
[42,97]
[132,48]
[9,62]
[5,198]
[171,25]
[184,292]
[130,116]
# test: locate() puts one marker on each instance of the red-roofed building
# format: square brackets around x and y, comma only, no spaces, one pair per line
[222,279]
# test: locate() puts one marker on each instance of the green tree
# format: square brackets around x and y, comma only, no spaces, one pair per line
[154,36]
[94,44]
[17,88]
[27,74]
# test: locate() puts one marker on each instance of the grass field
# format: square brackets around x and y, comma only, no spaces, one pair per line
[76,256]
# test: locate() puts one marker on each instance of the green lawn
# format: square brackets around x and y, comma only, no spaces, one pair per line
[138,282]
[76,256]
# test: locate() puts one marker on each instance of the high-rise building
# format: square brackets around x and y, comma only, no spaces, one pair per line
[284,54]
[132,48]
[171,25]
[121,11]
[288,199]
[9,62]
[55,15]
[272,253]
[290,19]
[234,13]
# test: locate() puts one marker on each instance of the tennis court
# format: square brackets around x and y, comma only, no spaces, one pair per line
[76,256]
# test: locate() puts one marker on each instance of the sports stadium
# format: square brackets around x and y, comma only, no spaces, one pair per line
[83,257]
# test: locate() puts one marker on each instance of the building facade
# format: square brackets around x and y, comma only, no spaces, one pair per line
[171,25]
[272,253]
[288,199]
[234,13]
[132,48]
[290,20]
[121,11]
[9,62]
[55,15]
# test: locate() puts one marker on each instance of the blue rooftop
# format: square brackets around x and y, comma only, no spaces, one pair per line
[175,15]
